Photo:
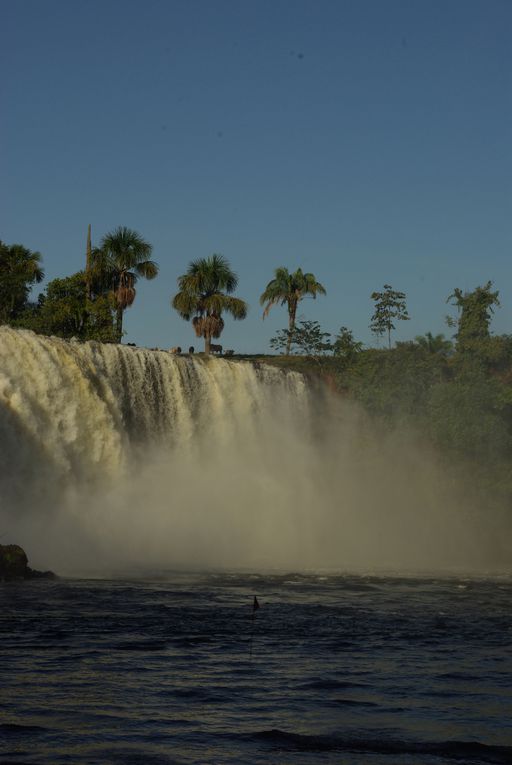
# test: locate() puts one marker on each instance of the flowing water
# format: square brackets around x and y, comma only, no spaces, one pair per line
[344,669]
[116,459]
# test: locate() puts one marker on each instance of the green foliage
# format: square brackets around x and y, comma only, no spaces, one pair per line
[205,293]
[64,311]
[100,321]
[390,306]
[281,341]
[345,347]
[434,344]
[393,384]
[289,289]
[310,340]
[471,414]
[475,312]
[496,353]
[307,338]
[20,269]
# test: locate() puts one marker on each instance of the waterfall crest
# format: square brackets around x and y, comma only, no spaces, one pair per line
[88,406]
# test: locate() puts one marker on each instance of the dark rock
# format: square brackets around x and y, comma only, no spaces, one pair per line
[33,573]
[14,565]
[13,562]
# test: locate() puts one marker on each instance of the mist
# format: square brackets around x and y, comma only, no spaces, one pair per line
[122,459]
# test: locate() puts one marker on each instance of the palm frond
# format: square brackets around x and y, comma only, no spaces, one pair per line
[236,307]
[185,303]
[148,269]
[126,248]
[208,326]
[125,296]
[288,288]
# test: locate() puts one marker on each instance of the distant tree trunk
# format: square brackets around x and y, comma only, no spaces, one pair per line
[389,338]
[291,325]
[119,323]
[207,341]
[88,265]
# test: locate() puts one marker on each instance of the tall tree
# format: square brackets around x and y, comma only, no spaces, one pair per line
[390,306]
[289,289]
[20,269]
[475,312]
[122,257]
[205,293]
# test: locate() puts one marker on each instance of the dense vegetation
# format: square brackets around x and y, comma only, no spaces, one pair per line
[88,305]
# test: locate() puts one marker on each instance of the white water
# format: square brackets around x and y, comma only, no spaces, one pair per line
[113,456]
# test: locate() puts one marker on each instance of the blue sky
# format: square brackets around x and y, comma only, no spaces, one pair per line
[367,141]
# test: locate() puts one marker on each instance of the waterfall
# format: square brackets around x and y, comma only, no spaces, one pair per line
[116,456]
[86,407]
[88,427]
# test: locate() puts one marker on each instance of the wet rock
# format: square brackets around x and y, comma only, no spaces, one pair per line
[14,565]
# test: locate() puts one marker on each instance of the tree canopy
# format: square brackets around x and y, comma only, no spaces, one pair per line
[122,257]
[345,347]
[20,269]
[64,310]
[307,339]
[434,344]
[205,293]
[390,306]
[289,289]
[475,312]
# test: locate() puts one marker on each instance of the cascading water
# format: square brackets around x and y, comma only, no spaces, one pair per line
[116,456]
[87,428]
[89,407]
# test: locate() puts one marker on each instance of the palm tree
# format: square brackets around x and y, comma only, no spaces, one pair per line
[20,268]
[122,257]
[289,289]
[205,294]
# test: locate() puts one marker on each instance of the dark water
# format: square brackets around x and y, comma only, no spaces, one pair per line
[345,669]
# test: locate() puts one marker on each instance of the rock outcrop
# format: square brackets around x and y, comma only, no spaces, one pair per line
[14,565]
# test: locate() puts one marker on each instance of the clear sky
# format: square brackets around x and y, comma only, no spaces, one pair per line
[367,141]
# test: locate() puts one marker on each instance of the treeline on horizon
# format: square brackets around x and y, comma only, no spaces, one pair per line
[456,393]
